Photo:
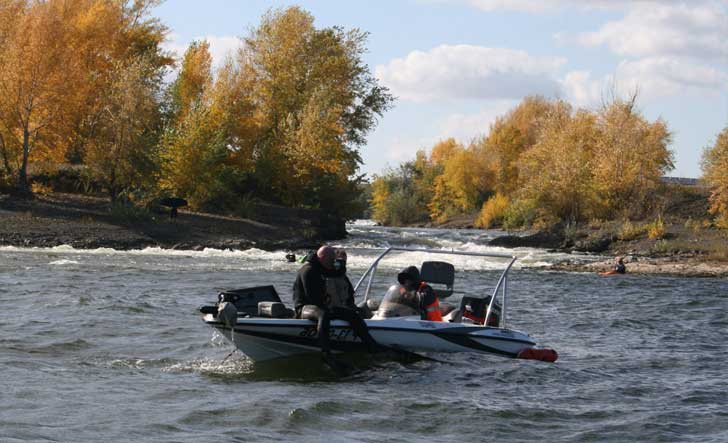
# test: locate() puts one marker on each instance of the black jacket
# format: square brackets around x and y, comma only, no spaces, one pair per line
[310,285]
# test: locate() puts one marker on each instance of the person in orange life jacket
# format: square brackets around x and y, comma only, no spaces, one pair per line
[309,297]
[410,280]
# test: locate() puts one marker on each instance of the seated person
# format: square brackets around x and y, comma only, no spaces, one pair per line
[339,290]
[619,268]
[411,297]
[310,294]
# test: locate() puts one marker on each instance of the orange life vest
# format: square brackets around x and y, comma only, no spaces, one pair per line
[432,311]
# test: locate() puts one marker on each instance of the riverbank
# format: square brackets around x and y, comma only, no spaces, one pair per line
[88,222]
[685,266]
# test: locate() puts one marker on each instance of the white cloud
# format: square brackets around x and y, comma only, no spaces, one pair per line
[465,127]
[469,72]
[664,76]
[582,90]
[698,30]
[652,78]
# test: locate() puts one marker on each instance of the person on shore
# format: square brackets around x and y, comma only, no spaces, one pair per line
[619,268]
[310,295]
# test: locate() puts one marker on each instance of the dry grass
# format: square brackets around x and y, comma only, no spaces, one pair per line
[631,231]
[656,230]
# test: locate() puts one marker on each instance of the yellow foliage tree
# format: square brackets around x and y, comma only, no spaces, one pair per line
[557,171]
[57,60]
[380,201]
[467,177]
[315,103]
[443,150]
[32,88]
[715,174]
[630,156]
[513,134]
[492,212]
[194,79]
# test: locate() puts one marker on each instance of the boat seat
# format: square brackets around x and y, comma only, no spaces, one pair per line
[475,308]
[273,309]
[439,273]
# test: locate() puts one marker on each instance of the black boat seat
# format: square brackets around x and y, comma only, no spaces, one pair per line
[475,308]
[440,273]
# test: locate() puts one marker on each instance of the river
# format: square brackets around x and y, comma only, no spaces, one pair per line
[104,345]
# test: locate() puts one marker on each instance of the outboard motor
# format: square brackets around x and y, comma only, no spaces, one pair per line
[227,313]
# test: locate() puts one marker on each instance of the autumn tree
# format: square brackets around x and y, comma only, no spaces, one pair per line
[315,103]
[557,171]
[122,155]
[32,88]
[195,149]
[715,174]
[630,157]
[56,64]
[396,199]
[467,179]
[193,80]
[513,134]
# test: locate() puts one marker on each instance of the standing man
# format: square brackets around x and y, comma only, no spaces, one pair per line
[310,301]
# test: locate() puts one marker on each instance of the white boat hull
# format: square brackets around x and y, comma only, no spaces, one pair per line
[264,339]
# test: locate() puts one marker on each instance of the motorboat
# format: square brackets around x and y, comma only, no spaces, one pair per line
[263,328]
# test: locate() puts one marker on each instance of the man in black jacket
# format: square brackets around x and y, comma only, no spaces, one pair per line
[309,291]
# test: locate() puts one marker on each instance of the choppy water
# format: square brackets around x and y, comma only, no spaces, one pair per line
[108,346]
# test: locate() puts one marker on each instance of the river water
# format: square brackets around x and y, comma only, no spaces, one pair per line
[107,345]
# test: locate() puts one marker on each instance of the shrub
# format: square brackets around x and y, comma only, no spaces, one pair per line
[40,188]
[128,213]
[492,212]
[630,231]
[520,213]
[656,230]
[721,222]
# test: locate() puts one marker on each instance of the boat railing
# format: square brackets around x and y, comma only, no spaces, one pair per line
[502,284]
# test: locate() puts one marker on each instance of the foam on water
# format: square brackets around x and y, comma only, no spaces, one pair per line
[64,261]
[364,244]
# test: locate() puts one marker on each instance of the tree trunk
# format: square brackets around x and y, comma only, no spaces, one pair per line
[6,162]
[23,173]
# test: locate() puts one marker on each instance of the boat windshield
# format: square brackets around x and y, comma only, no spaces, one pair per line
[398,302]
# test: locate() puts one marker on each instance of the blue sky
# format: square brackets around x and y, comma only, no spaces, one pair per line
[455,65]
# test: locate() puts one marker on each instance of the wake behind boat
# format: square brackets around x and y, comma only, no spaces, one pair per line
[263,328]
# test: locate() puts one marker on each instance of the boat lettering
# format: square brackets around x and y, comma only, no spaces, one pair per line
[309,331]
[427,324]
[341,334]
[334,334]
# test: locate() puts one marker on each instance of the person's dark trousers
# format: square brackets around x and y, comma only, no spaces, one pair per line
[357,325]
[324,317]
